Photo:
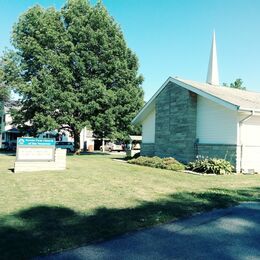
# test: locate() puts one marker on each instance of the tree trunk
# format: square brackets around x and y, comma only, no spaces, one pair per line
[76,134]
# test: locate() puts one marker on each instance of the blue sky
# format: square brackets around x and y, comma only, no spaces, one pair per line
[173,38]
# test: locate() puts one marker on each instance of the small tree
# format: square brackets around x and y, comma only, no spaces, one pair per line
[74,69]
[238,84]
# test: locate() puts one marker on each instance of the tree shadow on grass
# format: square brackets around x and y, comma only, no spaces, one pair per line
[42,229]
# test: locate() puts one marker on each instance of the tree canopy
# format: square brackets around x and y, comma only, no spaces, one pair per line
[238,84]
[4,89]
[73,69]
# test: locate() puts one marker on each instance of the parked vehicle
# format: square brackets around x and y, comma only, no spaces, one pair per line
[65,145]
[116,146]
[9,146]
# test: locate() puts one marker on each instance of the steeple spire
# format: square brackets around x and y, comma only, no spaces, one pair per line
[212,77]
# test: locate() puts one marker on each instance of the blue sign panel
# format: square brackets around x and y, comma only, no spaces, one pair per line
[29,141]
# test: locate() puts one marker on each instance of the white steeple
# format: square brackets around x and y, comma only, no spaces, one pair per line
[212,77]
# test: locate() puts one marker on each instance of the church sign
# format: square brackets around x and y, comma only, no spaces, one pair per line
[35,149]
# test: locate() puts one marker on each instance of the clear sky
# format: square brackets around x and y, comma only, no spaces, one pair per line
[173,37]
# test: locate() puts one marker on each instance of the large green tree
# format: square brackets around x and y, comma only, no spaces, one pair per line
[74,69]
[4,89]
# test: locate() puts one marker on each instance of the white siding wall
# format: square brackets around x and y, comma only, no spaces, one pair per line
[250,139]
[250,131]
[215,124]
[148,128]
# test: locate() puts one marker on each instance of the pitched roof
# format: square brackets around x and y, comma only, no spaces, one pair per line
[240,98]
[231,98]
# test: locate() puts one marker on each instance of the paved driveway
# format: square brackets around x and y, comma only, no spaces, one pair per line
[232,233]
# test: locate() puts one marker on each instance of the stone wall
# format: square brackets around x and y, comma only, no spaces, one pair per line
[175,123]
[222,151]
[147,149]
[57,165]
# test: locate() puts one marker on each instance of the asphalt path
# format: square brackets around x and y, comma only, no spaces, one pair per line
[232,233]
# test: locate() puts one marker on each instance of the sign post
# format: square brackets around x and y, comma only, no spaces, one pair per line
[38,154]
[35,149]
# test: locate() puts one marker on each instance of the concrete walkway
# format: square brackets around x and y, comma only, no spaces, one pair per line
[232,233]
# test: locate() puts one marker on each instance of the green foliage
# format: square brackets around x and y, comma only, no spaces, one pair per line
[4,92]
[73,69]
[4,89]
[157,162]
[211,165]
[238,84]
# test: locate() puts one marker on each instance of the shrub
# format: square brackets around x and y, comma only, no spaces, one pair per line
[211,165]
[157,162]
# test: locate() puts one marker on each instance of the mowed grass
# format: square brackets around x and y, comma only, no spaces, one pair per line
[97,198]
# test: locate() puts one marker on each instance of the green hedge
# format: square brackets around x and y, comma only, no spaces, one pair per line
[211,165]
[157,162]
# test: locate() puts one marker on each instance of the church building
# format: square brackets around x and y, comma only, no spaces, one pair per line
[185,119]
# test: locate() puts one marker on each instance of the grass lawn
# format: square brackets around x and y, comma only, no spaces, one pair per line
[97,198]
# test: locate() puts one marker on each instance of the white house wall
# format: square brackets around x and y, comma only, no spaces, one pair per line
[215,124]
[250,140]
[148,128]
[86,138]
[250,131]
[8,122]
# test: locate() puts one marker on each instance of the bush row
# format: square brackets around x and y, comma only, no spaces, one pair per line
[202,165]
[157,162]
[211,165]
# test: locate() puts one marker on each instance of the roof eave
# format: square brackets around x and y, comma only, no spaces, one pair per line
[151,103]
[205,94]
[249,110]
